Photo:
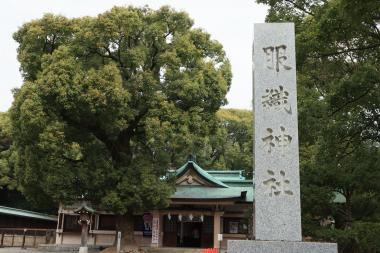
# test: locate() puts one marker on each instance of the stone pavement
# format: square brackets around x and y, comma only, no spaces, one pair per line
[19,250]
[156,250]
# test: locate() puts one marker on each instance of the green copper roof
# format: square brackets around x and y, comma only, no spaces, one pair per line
[339,198]
[201,172]
[230,185]
[24,213]
[227,174]
[243,194]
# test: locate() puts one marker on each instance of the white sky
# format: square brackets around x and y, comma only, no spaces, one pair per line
[229,22]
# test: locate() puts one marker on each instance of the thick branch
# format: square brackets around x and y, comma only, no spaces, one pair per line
[94,130]
[350,102]
[349,50]
[123,143]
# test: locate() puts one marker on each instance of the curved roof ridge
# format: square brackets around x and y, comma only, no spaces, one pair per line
[203,173]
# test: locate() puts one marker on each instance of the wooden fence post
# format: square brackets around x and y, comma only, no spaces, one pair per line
[2,239]
[13,238]
[23,239]
[34,238]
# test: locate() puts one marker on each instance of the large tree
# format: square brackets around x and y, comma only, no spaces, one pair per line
[6,173]
[338,68]
[107,101]
[231,147]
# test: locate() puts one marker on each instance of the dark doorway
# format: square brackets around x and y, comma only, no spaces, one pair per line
[191,235]
[170,231]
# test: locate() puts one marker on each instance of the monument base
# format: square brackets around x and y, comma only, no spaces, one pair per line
[83,249]
[236,246]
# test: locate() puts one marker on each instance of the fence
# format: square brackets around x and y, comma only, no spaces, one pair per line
[26,237]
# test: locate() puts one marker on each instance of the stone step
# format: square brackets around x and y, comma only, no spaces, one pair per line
[173,250]
[64,248]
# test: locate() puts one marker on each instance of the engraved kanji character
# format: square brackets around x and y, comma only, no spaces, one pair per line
[268,141]
[277,185]
[276,57]
[276,99]
[283,140]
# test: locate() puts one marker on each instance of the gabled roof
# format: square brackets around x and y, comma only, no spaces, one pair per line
[221,185]
[84,208]
[25,213]
[201,172]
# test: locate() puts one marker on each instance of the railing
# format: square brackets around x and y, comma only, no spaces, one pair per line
[25,237]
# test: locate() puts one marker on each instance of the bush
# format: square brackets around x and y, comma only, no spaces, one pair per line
[363,237]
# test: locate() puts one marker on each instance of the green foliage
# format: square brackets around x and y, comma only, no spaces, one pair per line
[6,171]
[227,147]
[362,237]
[338,49]
[232,144]
[109,102]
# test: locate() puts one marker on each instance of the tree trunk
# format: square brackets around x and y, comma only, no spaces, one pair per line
[126,226]
[348,211]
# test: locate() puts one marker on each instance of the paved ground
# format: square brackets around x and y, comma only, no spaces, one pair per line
[19,250]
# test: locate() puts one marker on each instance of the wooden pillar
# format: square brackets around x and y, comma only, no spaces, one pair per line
[181,233]
[2,239]
[217,229]
[253,225]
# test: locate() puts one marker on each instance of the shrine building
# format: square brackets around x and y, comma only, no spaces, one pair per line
[208,208]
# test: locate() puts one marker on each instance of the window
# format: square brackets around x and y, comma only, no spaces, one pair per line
[70,223]
[235,226]
[107,222]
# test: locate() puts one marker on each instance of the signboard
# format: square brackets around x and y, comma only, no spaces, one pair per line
[147,229]
[220,237]
[155,230]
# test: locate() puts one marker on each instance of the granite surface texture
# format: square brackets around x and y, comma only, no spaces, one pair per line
[235,246]
[277,186]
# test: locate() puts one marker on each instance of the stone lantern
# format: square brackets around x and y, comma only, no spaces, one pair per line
[85,212]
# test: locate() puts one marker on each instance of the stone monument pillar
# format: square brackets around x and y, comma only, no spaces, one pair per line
[276,158]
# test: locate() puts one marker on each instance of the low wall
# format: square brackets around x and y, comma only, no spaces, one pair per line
[100,238]
[26,238]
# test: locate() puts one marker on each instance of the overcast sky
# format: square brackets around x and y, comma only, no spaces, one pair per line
[229,22]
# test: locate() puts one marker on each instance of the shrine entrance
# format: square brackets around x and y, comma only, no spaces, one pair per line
[189,233]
